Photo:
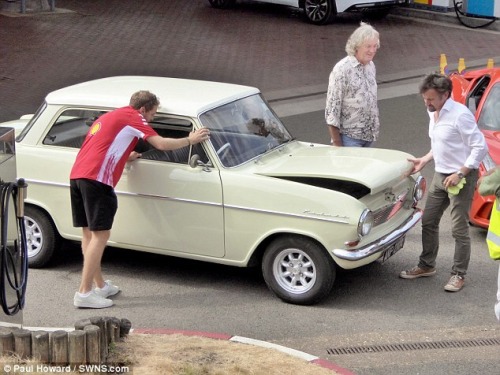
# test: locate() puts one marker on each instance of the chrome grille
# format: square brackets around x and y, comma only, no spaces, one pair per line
[383,214]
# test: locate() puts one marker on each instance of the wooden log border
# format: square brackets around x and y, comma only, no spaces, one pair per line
[89,343]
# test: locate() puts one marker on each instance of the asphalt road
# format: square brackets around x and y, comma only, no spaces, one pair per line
[271,48]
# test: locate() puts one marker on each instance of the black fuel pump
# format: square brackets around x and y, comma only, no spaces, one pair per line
[13,244]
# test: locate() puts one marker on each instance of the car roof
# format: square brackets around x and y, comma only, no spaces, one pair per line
[177,96]
[494,73]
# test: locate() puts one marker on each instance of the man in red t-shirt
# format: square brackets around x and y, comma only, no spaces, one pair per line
[98,167]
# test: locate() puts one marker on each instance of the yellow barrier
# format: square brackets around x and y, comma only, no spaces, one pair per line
[461,65]
[443,64]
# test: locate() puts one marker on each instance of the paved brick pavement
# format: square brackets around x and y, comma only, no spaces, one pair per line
[260,45]
[256,44]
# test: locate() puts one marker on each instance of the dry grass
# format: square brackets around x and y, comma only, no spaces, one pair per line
[178,354]
[189,355]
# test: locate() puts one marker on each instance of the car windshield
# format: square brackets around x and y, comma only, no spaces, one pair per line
[244,129]
[489,118]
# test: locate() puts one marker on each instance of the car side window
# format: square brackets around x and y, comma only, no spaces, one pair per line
[71,127]
[171,127]
[477,93]
[489,118]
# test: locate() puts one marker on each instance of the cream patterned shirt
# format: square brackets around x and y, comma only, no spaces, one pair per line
[351,103]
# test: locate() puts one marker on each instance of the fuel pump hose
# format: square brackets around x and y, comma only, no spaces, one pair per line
[13,256]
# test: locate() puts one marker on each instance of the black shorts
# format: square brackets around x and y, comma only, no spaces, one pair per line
[93,204]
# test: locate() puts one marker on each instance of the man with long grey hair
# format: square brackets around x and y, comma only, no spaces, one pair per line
[351,106]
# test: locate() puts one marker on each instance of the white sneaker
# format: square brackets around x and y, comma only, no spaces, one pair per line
[92,301]
[107,290]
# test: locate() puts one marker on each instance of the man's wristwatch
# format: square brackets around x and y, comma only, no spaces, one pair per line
[460,174]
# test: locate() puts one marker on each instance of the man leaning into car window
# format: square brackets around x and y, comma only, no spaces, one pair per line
[351,110]
[457,148]
[98,167]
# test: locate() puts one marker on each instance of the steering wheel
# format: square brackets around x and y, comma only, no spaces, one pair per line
[223,151]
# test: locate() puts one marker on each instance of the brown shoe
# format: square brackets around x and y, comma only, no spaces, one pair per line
[455,284]
[416,272]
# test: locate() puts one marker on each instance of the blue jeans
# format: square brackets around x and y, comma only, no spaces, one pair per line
[352,142]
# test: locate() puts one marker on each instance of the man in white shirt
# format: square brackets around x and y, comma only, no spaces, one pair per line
[457,148]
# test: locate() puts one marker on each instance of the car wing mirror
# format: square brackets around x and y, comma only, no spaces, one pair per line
[195,161]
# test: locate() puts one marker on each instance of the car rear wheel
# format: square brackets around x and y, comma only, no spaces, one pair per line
[319,12]
[41,237]
[221,4]
[298,270]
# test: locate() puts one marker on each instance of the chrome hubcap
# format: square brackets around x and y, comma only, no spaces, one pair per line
[33,237]
[294,271]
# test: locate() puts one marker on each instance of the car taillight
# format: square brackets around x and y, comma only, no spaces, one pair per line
[488,163]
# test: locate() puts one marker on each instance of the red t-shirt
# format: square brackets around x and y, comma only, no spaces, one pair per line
[108,144]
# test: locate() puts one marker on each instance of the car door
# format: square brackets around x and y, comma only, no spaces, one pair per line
[165,205]
[489,115]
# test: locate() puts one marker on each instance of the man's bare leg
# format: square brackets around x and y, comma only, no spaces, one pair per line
[93,245]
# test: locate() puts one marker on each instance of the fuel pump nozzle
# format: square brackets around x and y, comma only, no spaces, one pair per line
[22,189]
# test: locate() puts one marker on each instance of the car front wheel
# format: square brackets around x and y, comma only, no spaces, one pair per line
[319,12]
[298,270]
[221,4]
[41,237]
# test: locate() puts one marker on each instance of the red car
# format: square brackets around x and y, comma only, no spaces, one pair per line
[479,90]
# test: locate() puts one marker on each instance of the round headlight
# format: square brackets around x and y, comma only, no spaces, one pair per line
[365,222]
[419,189]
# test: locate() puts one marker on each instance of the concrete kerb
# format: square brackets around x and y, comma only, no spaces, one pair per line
[245,340]
[447,17]
[312,98]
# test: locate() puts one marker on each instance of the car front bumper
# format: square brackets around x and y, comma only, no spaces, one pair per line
[381,244]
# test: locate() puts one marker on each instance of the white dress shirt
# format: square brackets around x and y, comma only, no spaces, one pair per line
[456,140]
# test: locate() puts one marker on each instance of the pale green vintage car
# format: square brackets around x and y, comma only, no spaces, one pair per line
[251,195]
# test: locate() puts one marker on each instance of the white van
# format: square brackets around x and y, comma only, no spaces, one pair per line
[320,12]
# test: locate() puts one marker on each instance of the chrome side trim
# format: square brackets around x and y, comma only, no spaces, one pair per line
[382,243]
[165,198]
[302,216]
[332,219]
[48,183]
[126,193]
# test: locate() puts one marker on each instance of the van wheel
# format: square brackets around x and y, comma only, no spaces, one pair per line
[319,12]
